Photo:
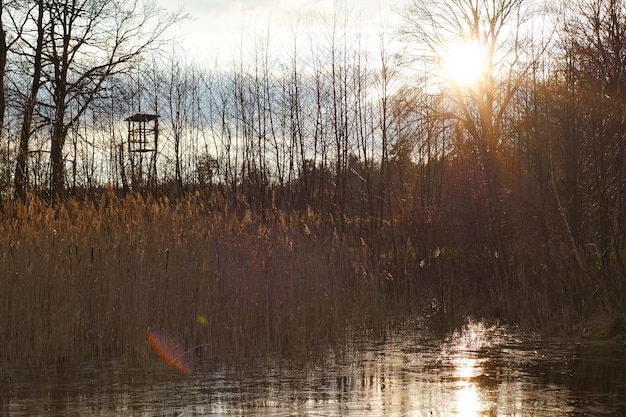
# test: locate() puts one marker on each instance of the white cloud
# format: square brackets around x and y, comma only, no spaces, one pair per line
[219,27]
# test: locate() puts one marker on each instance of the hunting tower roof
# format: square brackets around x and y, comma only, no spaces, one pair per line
[141,117]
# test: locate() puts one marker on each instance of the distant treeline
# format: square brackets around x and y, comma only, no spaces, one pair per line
[513,186]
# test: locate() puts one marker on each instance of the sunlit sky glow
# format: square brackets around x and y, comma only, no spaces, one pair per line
[464,62]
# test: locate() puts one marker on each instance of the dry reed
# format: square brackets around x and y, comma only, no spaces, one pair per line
[82,282]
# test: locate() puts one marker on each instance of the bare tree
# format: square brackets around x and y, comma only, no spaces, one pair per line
[480,109]
[594,139]
[88,42]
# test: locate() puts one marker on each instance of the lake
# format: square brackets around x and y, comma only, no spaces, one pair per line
[480,370]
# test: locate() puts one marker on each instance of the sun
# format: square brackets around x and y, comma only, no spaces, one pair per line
[463,63]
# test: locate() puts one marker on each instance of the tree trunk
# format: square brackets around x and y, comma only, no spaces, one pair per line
[29,106]
[57,162]
[3,62]
[59,132]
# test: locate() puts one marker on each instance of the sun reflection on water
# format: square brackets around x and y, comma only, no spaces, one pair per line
[478,371]
[467,369]
[468,402]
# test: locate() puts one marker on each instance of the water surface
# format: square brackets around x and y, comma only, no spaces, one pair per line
[482,370]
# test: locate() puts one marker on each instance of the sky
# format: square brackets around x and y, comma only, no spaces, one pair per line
[217,29]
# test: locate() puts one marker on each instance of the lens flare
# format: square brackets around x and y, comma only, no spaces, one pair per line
[169,351]
[202,320]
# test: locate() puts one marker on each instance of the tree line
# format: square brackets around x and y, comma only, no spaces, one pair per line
[516,179]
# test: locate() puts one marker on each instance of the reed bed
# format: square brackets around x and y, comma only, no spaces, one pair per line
[83,282]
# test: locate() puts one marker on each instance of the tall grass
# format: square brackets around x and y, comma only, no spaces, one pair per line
[82,282]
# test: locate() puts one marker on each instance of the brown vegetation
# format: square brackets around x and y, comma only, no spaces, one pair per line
[313,199]
[82,282]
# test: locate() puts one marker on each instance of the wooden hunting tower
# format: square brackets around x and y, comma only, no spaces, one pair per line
[143,139]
